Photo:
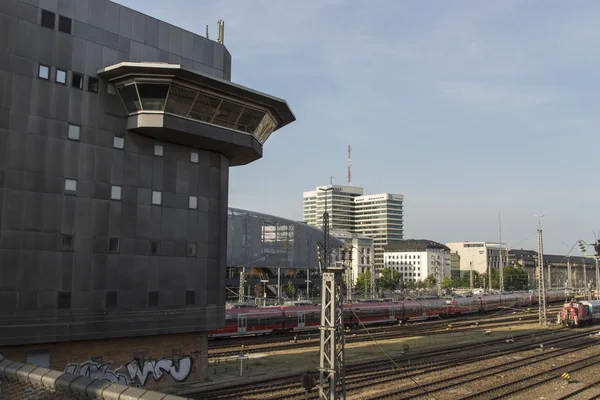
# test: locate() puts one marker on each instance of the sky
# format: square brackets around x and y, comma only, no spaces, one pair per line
[470,109]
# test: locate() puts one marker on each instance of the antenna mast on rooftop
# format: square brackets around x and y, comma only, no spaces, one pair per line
[349,166]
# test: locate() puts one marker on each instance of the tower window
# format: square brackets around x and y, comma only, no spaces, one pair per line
[93,84]
[64,24]
[67,243]
[44,72]
[48,19]
[77,81]
[113,245]
[158,150]
[61,76]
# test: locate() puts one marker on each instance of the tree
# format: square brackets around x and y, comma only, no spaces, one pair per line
[363,282]
[290,290]
[430,281]
[389,279]
[447,283]
[515,278]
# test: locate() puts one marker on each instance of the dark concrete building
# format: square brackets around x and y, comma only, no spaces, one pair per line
[117,132]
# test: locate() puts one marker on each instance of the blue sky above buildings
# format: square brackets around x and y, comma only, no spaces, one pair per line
[468,108]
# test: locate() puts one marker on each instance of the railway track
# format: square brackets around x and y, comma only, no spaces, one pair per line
[364,375]
[266,343]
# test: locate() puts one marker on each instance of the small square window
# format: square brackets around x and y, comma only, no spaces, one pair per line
[158,150]
[93,85]
[48,19]
[64,24]
[113,245]
[152,299]
[77,81]
[61,76]
[115,193]
[67,243]
[156,198]
[119,142]
[190,297]
[44,71]
[193,203]
[194,157]
[111,299]
[64,299]
[70,186]
[73,132]
[154,247]
[191,250]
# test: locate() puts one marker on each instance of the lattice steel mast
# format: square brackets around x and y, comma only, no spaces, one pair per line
[541,283]
[332,384]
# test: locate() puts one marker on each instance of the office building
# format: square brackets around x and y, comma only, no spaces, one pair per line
[479,255]
[417,259]
[117,132]
[378,216]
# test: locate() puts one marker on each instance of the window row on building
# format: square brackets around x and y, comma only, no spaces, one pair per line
[48,20]
[116,194]
[112,299]
[68,244]
[67,78]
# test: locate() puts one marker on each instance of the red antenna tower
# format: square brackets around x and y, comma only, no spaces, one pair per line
[349,166]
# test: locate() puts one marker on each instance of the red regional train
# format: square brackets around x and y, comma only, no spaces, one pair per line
[279,319]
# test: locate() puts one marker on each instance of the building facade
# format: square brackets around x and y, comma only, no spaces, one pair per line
[378,216]
[117,132]
[362,252]
[417,259]
[480,256]
[340,206]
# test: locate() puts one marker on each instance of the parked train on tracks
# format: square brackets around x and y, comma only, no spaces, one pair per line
[279,319]
[579,313]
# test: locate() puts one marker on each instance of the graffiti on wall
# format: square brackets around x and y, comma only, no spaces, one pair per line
[157,369]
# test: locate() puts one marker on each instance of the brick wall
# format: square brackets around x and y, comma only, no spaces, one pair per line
[150,362]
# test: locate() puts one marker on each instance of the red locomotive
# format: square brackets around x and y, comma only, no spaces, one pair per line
[579,313]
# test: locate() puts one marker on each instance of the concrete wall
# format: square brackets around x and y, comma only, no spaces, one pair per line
[37,272]
[27,382]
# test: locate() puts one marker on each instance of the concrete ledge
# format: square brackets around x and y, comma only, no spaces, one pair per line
[63,383]
[76,387]
[4,364]
[113,392]
[35,376]
[11,371]
[80,384]
[133,394]
[94,391]
[49,380]
[23,372]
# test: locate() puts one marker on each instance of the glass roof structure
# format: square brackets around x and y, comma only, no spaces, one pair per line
[266,241]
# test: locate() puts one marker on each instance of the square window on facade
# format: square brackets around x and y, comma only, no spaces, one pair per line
[44,71]
[61,76]
[70,186]
[48,19]
[193,203]
[194,157]
[64,24]
[67,242]
[156,198]
[113,245]
[115,193]
[154,247]
[111,299]
[190,297]
[158,150]
[191,250]
[73,132]
[64,299]
[152,299]
[119,142]
[93,85]
[77,81]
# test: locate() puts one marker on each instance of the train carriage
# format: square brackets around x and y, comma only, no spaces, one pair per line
[239,321]
[301,318]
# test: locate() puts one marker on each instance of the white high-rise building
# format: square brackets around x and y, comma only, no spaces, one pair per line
[378,216]
[479,255]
